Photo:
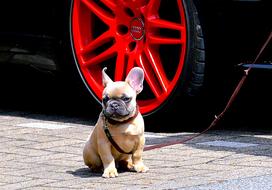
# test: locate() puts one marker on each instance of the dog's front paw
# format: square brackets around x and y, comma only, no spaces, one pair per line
[140,168]
[110,172]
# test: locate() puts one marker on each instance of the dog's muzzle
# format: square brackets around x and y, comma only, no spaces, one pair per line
[116,109]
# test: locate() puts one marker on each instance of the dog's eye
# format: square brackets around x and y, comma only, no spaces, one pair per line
[126,99]
[105,99]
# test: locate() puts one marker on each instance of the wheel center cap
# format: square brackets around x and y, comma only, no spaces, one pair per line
[137,30]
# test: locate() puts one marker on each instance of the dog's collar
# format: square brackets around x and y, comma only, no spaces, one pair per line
[115,122]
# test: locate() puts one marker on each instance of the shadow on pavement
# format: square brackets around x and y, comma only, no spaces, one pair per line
[262,141]
[87,173]
[84,173]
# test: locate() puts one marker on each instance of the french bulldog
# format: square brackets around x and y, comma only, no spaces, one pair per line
[118,136]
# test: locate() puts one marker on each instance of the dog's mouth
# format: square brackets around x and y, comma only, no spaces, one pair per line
[116,115]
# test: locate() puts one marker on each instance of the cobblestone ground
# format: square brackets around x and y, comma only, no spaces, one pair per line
[43,152]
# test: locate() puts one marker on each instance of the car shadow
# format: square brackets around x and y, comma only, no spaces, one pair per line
[254,143]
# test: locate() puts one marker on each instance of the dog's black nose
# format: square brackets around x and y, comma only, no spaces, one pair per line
[114,105]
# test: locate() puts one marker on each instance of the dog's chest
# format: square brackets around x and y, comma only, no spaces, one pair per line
[127,137]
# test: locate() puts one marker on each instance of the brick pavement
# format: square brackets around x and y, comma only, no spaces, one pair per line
[41,158]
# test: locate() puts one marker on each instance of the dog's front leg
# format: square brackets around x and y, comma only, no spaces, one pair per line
[137,157]
[107,160]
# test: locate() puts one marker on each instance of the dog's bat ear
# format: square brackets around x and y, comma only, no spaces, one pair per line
[135,79]
[105,78]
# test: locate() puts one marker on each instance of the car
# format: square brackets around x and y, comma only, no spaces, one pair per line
[182,45]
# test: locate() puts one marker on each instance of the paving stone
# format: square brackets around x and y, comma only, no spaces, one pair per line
[25,151]
[247,161]
[180,182]
[50,175]
[5,128]
[211,154]
[76,182]
[47,158]
[50,188]
[87,185]
[36,137]
[67,149]
[20,165]
[22,133]
[26,183]
[23,171]
[212,167]
[52,144]
[13,179]
[252,183]
[11,158]
[15,143]
[239,173]
[61,162]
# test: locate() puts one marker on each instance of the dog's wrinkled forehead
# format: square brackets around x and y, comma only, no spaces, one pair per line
[119,89]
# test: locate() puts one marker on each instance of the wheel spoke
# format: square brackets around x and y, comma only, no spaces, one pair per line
[110,4]
[149,76]
[99,41]
[153,6]
[131,63]
[151,2]
[164,40]
[101,57]
[99,12]
[154,60]
[160,23]
[120,65]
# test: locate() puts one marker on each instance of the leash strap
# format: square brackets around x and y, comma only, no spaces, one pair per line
[217,118]
[112,141]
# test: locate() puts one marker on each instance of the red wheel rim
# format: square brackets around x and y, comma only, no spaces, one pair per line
[121,34]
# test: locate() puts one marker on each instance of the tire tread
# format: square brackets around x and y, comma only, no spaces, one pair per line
[198,67]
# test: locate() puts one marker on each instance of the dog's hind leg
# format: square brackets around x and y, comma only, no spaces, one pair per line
[91,158]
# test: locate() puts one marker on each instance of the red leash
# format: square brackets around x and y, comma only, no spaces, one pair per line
[220,116]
